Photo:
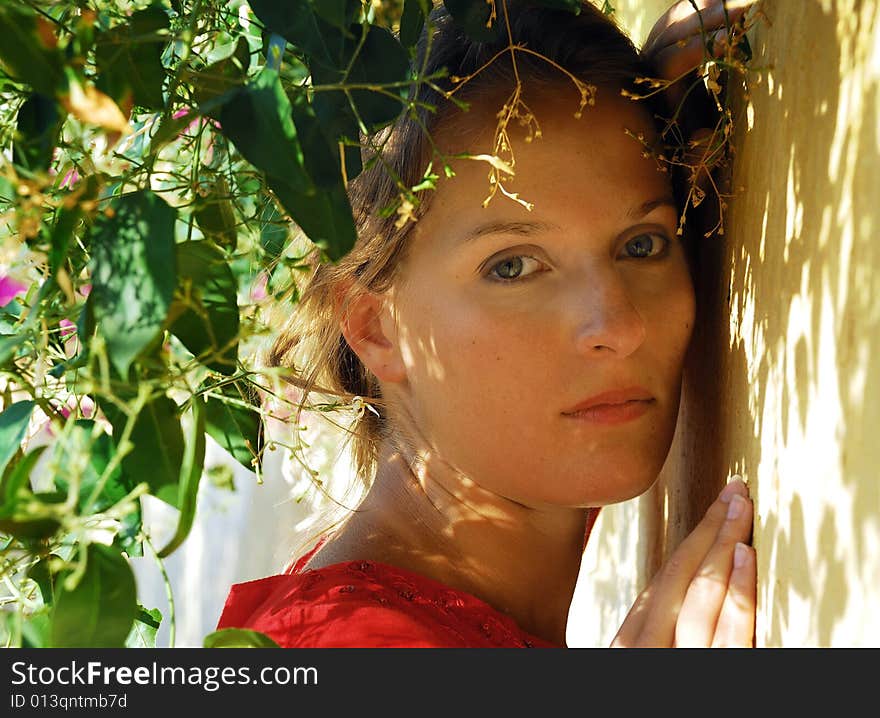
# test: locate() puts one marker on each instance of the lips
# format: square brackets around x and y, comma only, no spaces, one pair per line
[612,400]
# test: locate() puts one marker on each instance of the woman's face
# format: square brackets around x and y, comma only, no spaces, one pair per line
[507,319]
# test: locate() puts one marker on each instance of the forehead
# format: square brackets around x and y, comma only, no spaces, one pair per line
[546,102]
[579,169]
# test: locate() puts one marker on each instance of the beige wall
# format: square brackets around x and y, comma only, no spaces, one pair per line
[783,380]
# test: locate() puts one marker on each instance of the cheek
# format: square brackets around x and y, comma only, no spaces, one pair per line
[471,369]
[669,316]
[469,345]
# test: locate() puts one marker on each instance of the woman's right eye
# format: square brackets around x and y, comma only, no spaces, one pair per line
[513,268]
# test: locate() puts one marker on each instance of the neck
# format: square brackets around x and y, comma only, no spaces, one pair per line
[423,516]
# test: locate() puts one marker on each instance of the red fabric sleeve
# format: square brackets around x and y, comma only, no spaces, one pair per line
[362,604]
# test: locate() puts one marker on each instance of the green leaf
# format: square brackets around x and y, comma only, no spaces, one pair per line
[35,630]
[42,576]
[157,450]
[412,21]
[190,475]
[238,430]
[28,50]
[273,230]
[146,625]
[39,123]
[7,190]
[82,440]
[339,123]
[238,638]
[216,217]
[8,346]
[85,329]
[472,16]
[325,217]
[379,60]
[258,120]
[297,23]
[17,477]
[320,152]
[133,274]
[339,13]
[13,426]
[100,610]
[222,76]
[129,59]
[29,529]
[205,312]
[31,515]
[169,128]
[24,514]
[67,219]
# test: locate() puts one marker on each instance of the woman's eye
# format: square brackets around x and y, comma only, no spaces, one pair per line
[646,245]
[514,268]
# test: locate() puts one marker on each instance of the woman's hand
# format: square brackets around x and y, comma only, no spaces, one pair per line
[688,49]
[686,34]
[704,596]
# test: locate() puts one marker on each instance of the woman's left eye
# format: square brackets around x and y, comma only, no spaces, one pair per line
[644,246]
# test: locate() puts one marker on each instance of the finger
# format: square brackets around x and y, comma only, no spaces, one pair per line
[736,624]
[681,21]
[652,619]
[676,65]
[705,595]
[635,619]
[675,61]
[685,68]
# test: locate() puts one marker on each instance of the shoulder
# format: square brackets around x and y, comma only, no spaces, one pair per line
[345,605]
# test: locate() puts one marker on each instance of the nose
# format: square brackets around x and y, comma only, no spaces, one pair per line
[608,322]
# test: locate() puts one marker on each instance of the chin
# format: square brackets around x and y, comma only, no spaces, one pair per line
[603,487]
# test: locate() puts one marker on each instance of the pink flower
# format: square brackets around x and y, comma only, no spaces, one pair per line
[10,289]
[67,328]
[68,336]
[193,126]
[258,290]
[85,289]
[85,409]
[70,179]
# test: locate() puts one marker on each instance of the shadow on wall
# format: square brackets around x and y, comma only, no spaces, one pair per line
[782,382]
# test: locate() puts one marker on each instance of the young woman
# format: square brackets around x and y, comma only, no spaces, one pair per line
[524,363]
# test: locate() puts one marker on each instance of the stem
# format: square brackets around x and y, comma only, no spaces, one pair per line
[169,593]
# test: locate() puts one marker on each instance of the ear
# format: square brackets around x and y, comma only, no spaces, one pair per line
[371,332]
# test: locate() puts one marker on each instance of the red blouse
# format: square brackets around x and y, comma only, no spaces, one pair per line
[366,604]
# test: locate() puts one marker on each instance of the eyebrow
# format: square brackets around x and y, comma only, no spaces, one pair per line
[652,204]
[523,229]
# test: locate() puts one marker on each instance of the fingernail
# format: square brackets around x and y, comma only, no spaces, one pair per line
[740,555]
[736,506]
[732,489]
